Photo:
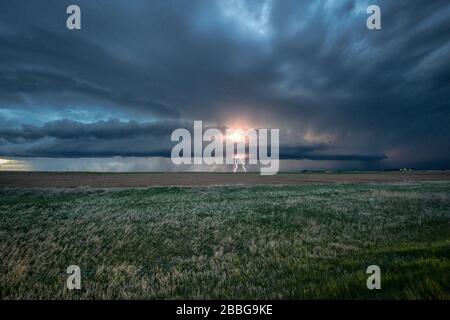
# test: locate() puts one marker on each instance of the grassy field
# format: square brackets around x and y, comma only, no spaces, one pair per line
[282,242]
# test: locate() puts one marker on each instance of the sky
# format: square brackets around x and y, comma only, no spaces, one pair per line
[108,96]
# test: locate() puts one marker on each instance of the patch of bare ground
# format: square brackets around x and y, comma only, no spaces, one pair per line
[119,180]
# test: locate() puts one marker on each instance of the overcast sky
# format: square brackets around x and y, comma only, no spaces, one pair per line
[107,97]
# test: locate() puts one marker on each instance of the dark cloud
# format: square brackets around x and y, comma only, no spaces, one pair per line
[320,152]
[65,138]
[110,129]
[311,68]
[71,139]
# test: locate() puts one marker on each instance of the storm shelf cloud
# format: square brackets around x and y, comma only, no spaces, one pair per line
[342,96]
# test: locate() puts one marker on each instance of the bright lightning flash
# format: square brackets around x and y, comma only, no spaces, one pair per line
[237,136]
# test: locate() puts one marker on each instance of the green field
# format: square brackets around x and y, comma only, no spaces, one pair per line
[281,242]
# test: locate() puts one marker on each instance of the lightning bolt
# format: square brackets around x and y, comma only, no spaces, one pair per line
[236,165]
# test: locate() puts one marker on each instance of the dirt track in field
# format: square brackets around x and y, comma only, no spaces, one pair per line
[113,180]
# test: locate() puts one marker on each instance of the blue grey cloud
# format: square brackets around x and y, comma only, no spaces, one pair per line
[310,68]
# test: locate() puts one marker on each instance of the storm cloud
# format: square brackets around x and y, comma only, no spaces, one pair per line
[71,139]
[138,69]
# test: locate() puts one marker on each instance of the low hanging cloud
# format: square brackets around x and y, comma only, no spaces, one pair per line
[71,139]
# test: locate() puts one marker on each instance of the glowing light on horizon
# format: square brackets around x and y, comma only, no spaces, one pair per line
[236,136]
[13,165]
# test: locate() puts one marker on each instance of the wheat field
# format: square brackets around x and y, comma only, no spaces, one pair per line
[222,242]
